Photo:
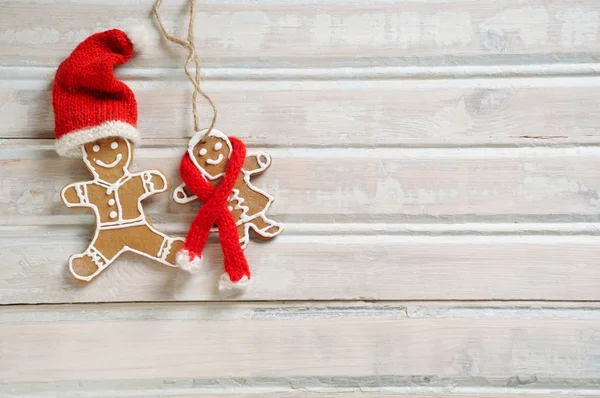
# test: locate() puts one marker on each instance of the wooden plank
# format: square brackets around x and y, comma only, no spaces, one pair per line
[326,33]
[439,112]
[365,345]
[41,389]
[387,184]
[468,385]
[78,393]
[158,389]
[317,267]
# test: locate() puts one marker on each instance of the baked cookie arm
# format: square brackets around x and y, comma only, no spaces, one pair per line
[153,181]
[257,164]
[183,195]
[76,195]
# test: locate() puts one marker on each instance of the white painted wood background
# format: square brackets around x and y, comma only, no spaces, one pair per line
[436,163]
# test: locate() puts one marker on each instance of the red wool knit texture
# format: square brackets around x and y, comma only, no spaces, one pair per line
[215,212]
[86,92]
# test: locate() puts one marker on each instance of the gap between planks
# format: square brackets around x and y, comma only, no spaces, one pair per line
[549,70]
[289,310]
[69,226]
[306,387]
[18,149]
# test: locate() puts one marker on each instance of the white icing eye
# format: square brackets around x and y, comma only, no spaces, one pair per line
[96,148]
[203,151]
[114,145]
[218,146]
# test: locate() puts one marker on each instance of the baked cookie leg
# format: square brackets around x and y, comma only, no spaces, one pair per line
[264,227]
[96,258]
[155,244]
[243,235]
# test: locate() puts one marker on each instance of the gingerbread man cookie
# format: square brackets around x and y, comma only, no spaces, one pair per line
[115,194]
[247,204]
[96,115]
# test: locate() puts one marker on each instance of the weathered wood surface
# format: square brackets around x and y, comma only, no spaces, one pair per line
[346,185]
[307,343]
[423,150]
[327,32]
[318,267]
[317,113]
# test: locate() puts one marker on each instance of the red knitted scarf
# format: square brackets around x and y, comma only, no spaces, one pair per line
[215,212]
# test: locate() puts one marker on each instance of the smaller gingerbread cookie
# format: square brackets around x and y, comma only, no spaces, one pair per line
[247,204]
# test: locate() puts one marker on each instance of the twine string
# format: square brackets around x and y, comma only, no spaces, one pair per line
[190,45]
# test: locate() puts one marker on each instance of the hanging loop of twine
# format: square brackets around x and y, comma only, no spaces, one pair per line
[192,55]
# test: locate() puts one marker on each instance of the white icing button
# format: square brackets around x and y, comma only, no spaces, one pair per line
[96,148]
[109,191]
[218,146]
[230,208]
[203,151]
[113,214]
[111,202]
[114,145]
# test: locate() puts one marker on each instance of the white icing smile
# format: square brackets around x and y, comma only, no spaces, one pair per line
[111,165]
[216,161]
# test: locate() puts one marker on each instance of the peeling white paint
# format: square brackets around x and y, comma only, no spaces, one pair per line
[529,23]
[539,187]
[389,194]
[236,31]
[30,202]
[452,120]
[579,26]
[248,29]
[364,29]
[321,32]
[30,36]
[405,29]
[449,28]
[341,198]
[14,115]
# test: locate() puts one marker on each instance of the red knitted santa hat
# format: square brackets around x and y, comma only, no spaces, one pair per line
[89,102]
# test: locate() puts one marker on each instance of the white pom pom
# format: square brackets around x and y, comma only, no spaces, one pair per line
[227,286]
[139,37]
[192,265]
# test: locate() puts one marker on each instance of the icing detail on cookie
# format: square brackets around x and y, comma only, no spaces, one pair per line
[215,162]
[82,193]
[110,165]
[165,248]
[96,256]
[235,197]
[196,139]
[147,180]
